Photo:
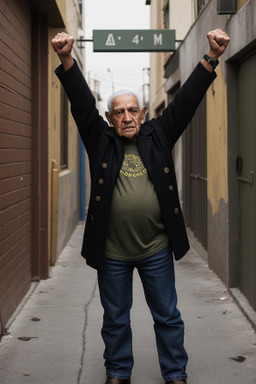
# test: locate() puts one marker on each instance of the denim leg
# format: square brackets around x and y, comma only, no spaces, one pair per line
[115,286]
[157,275]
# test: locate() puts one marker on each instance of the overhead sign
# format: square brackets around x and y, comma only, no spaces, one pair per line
[120,40]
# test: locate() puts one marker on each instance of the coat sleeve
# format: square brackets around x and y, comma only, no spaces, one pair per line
[181,110]
[83,106]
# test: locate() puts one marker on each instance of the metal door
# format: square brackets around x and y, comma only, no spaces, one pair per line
[246,168]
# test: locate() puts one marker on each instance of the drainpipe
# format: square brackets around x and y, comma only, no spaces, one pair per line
[82,180]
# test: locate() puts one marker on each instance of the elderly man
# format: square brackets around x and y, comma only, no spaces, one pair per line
[134,218]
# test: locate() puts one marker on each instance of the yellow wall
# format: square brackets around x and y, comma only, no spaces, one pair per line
[62,8]
[217,149]
[54,123]
[241,3]
[54,104]
[64,193]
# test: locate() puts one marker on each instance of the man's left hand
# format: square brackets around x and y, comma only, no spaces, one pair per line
[218,42]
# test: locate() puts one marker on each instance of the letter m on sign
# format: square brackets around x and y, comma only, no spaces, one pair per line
[158,39]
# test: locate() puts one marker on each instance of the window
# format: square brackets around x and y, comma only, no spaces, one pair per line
[64,131]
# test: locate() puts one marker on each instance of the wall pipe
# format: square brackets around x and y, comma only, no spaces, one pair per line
[82,180]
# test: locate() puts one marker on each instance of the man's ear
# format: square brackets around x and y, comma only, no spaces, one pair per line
[143,112]
[107,114]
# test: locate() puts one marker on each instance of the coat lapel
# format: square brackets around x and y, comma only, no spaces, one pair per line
[119,150]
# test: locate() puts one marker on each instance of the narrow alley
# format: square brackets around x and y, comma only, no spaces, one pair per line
[55,336]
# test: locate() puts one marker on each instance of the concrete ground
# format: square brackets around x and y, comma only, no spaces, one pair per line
[61,321]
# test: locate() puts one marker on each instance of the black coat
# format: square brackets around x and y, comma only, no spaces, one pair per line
[106,151]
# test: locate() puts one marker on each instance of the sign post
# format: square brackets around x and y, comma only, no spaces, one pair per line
[118,40]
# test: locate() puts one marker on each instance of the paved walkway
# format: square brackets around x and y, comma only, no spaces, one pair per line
[62,319]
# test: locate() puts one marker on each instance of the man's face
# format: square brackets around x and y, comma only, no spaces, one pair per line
[126,117]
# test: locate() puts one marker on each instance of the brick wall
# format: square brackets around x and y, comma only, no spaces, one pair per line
[15,154]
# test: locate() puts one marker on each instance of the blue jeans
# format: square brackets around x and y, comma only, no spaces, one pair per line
[115,285]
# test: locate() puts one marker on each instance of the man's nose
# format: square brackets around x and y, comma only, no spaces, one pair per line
[127,116]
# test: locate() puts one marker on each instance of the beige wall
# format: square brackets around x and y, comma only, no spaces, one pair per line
[182,16]
[63,213]
[158,96]
[61,4]
[54,117]
[74,26]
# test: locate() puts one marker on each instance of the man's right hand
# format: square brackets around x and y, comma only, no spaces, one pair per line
[62,44]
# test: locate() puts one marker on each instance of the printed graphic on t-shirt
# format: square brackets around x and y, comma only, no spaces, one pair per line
[133,166]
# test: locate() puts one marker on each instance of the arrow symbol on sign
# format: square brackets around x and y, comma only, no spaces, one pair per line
[110,40]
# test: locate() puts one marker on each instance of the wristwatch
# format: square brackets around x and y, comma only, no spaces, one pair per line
[211,61]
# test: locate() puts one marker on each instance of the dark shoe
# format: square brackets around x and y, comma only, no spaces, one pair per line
[110,380]
[176,382]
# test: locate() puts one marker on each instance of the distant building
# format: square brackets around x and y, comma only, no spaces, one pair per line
[216,158]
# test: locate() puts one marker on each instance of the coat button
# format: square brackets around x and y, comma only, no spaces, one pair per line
[91,217]
[97,198]
[104,165]
[171,188]
[176,211]
[101,181]
[166,170]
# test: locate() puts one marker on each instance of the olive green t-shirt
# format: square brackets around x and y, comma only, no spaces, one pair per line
[136,229]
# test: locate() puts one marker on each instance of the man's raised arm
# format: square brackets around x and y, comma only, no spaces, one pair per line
[62,44]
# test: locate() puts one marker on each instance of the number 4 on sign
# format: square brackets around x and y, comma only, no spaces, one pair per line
[136,39]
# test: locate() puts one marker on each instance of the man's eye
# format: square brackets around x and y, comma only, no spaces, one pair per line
[134,111]
[118,113]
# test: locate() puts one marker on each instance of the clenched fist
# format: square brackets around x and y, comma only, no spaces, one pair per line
[218,41]
[62,44]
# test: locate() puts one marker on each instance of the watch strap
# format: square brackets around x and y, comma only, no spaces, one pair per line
[211,61]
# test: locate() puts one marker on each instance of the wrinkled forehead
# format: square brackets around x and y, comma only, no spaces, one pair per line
[125,101]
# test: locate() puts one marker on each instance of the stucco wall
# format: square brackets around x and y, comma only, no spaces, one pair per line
[194,46]
[221,120]
[182,15]
[222,192]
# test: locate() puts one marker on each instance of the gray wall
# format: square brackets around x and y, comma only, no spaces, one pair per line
[223,226]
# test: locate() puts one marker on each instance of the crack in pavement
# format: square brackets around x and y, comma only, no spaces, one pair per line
[84,332]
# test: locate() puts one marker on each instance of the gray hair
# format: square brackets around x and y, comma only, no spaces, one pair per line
[121,93]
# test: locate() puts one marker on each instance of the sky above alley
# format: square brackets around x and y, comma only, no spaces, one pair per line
[116,71]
